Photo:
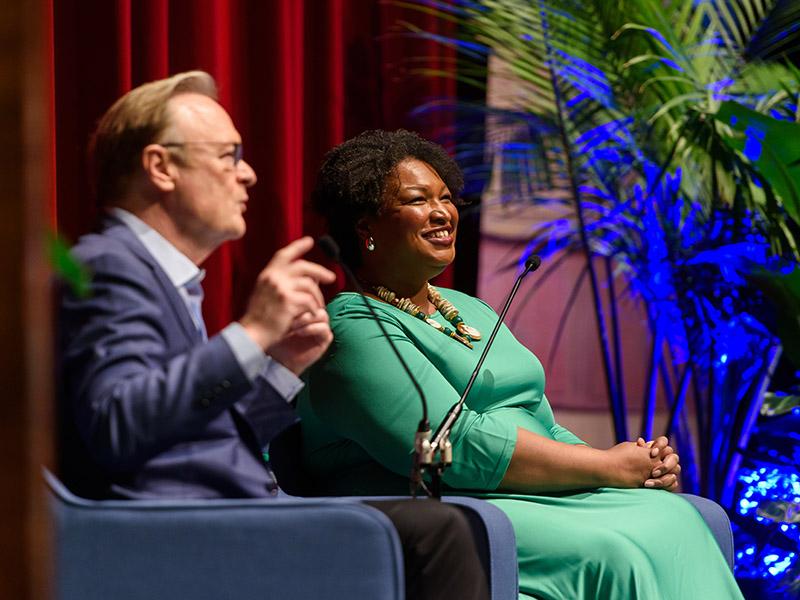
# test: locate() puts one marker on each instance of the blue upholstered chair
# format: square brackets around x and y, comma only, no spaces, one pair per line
[717,520]
[287,447]
[287,548]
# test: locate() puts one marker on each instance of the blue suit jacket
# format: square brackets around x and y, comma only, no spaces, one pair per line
[148,408]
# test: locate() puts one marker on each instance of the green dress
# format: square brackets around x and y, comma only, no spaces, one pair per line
[360,411]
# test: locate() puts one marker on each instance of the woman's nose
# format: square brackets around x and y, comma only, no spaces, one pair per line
[439,213]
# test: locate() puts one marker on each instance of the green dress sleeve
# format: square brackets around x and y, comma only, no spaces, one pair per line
[559,432]
[361,392]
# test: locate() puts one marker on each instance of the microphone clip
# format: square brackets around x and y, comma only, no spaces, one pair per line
[423,457]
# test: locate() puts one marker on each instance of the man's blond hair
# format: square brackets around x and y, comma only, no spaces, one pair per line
[134,121]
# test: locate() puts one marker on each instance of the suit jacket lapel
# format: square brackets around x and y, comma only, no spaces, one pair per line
[240,409]
[119,231]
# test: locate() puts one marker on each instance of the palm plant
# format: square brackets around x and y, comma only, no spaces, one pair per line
[671,149]
[637,104]
[700,67]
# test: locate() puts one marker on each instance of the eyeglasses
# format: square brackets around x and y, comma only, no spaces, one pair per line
[237,154]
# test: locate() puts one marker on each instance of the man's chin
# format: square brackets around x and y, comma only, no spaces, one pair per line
[237,230]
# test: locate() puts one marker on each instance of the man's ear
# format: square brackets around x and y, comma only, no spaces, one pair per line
[159,170]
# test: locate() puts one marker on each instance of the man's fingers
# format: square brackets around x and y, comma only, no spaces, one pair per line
[309,318]
[301,321]
[292,251]
[307,285]
[289,257]
[315,331]
[303,301]
[300,268]
[306,268]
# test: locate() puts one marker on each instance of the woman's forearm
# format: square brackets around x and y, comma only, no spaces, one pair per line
[540,464]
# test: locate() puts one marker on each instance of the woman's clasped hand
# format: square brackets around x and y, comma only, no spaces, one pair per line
[652,464]
[665,474]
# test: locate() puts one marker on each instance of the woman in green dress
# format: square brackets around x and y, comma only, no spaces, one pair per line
[589,523]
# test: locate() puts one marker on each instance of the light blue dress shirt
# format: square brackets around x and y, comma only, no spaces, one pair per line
[185,275]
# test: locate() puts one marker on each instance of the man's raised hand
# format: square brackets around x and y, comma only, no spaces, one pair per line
[287,288]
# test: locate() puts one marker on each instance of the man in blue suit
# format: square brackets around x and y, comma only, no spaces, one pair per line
[150,406]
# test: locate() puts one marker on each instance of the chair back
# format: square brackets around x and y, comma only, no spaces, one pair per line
[161,549]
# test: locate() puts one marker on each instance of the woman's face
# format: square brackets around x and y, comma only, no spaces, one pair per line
[415,232]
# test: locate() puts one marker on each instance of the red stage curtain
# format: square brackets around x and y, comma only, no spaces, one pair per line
[298,76]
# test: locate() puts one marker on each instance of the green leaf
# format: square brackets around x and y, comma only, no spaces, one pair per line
[780,511]
[771,146]
[68,268]
[775,405]
[783,291]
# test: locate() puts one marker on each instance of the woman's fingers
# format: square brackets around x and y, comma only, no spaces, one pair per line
[668,465]
[658,444]
[667,482]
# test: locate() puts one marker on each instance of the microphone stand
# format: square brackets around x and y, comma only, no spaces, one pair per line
[440,446]
[423,456]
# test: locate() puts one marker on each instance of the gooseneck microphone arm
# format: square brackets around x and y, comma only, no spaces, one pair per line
[441,443]
[422,453]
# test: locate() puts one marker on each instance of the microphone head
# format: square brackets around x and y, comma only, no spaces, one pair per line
[532,263]
[329,246]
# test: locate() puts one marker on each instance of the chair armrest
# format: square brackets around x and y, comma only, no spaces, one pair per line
[494,538]
[499,548]
[491,528]
[717,520]
[212,549]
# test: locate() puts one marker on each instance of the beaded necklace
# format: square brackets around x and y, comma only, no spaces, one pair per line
[463,332]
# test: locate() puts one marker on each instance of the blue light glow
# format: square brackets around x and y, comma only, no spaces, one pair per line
[758,488]
[753,144]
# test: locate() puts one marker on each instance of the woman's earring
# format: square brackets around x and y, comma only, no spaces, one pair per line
[369,244]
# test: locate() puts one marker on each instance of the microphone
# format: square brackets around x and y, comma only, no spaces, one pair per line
[441,439]
[423,456]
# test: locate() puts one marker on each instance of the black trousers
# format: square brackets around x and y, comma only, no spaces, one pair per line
[439,553]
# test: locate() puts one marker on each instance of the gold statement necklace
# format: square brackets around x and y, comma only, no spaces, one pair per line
[462,333]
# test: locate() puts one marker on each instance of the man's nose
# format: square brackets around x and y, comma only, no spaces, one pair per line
[245,173]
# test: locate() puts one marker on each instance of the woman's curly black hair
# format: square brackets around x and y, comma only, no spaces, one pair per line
[356,174]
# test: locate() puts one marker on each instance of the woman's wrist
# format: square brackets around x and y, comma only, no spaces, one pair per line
[604,468]
[597,466]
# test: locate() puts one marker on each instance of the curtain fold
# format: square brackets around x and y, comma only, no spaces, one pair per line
[297,76]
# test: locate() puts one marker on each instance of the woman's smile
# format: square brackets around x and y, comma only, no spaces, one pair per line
[442,236]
